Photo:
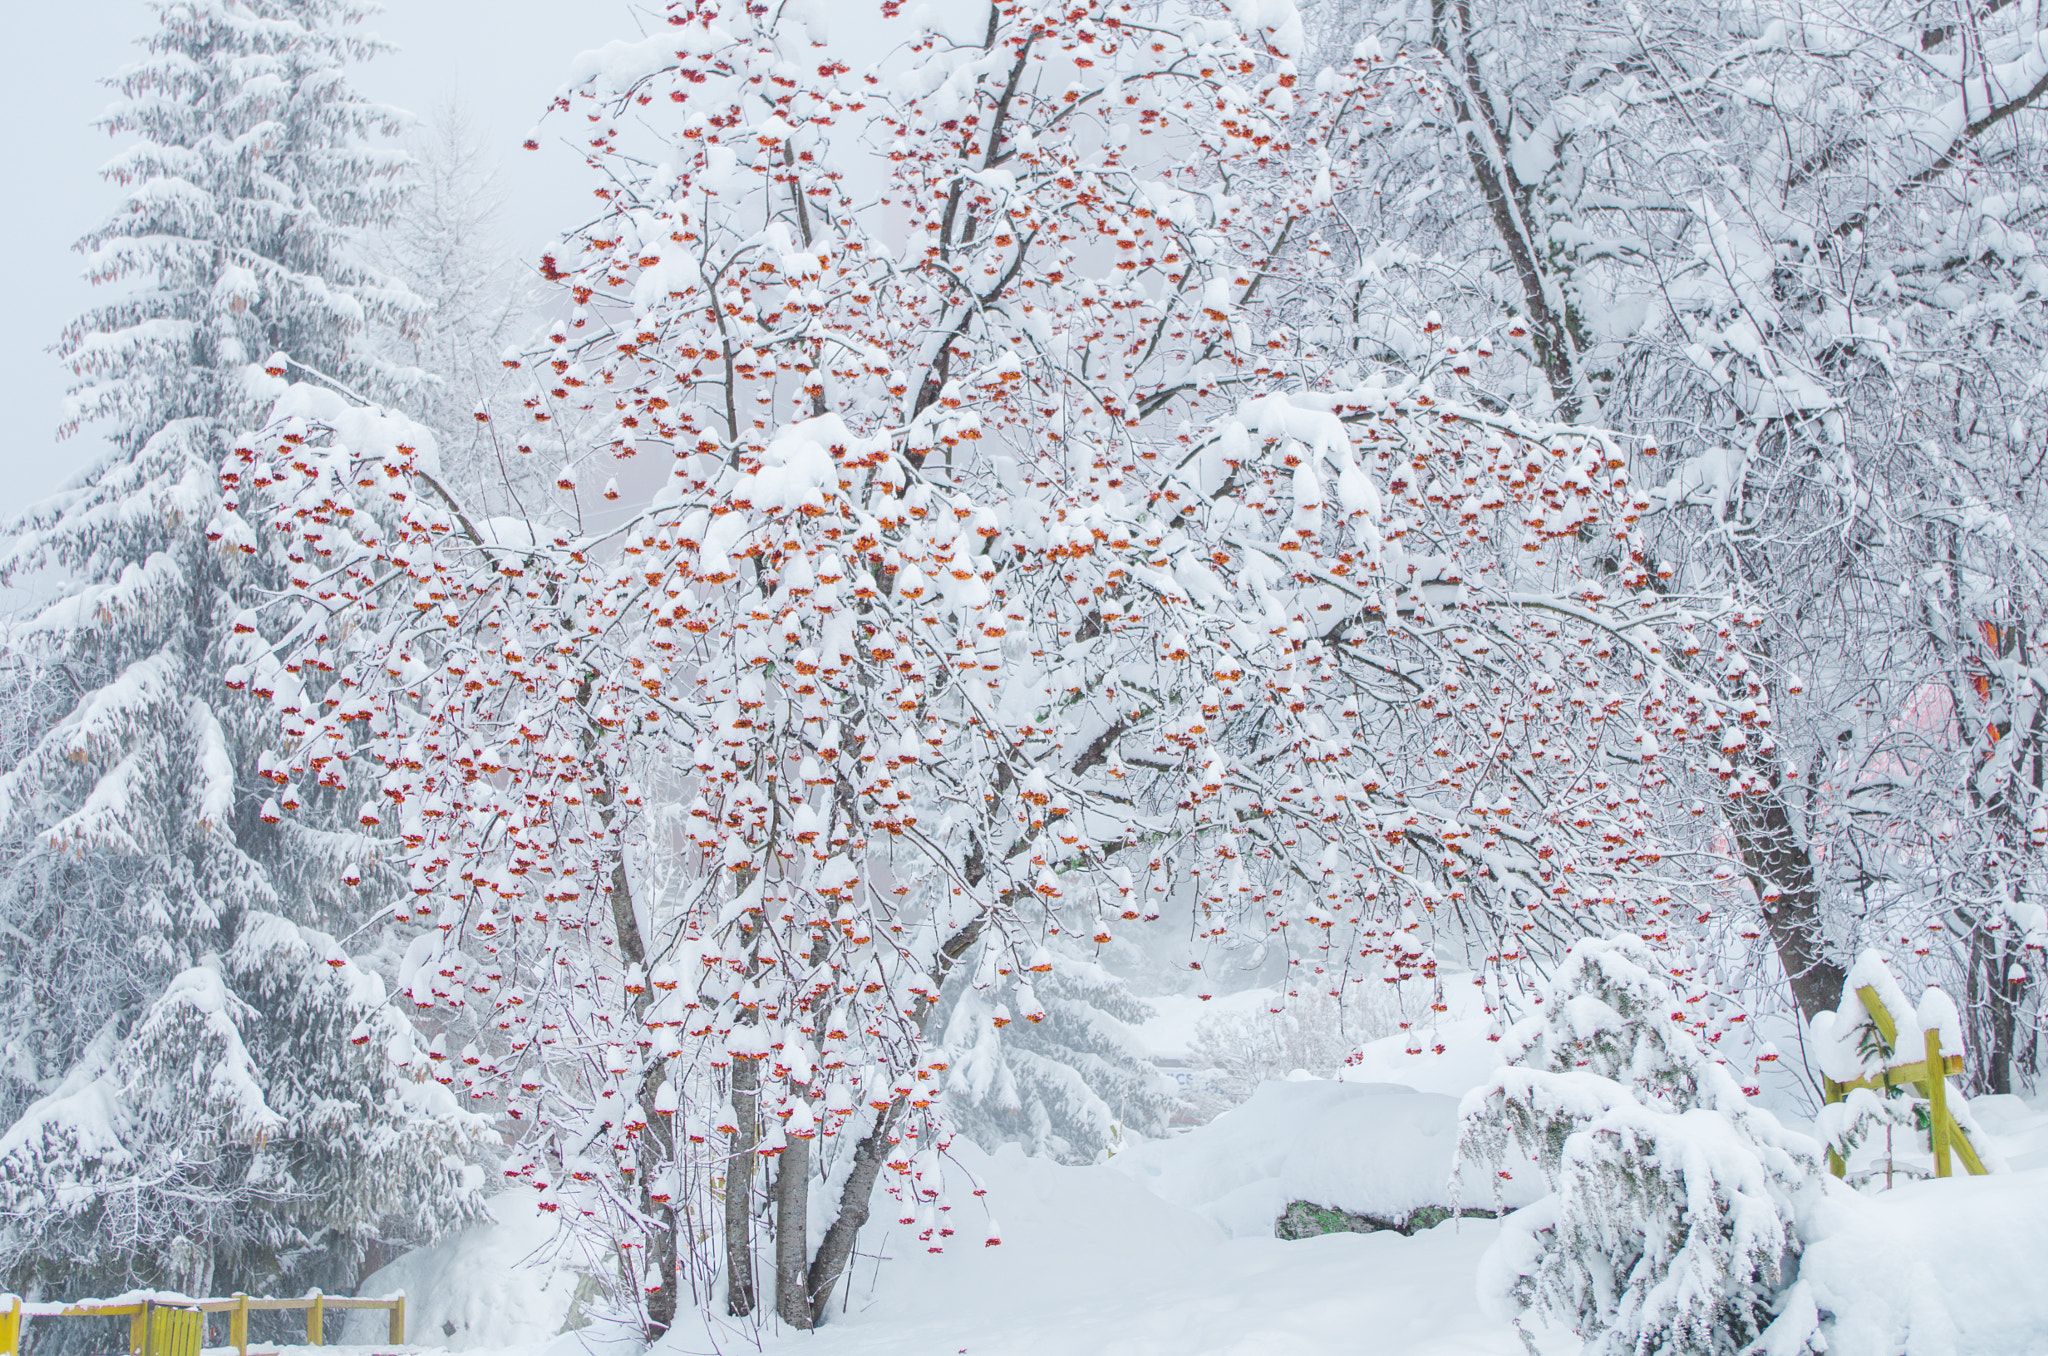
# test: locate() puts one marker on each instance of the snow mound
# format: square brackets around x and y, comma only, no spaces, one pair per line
[1470,1053]
[496,1284]
[1934,1268]
[1376,1149]
[1171,1030]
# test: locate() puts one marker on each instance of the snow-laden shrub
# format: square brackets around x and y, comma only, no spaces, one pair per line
[1670,1222]
[1244,1048]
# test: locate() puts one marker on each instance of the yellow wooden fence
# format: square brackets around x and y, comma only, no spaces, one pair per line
[177,1327]
[1930,1074]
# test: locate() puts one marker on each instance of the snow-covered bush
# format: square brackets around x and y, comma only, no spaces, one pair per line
[1313,1032]
[1671,1223]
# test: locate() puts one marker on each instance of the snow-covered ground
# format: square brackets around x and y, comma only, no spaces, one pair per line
[1169,1248]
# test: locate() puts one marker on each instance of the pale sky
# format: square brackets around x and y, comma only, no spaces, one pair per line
[502,59]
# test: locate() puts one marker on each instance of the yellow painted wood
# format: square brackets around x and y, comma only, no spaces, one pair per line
[1832,1091]
[180,1329]
[1899,1075]
[172,1331]
[1966,1151]
[1880,1016]
[1937,1107]
[10,1328]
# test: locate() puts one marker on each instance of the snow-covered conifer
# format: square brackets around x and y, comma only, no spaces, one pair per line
[1671,1220]
[218,1059]
[1067,1079]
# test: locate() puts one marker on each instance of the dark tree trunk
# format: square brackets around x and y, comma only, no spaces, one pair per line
[835,1250]
[792,1234]
[740,1295]
[1996,1008]
[1777,860]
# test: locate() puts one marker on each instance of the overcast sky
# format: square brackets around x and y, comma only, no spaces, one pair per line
[501,59]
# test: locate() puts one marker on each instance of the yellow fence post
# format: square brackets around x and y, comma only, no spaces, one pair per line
[314,1325]
[1937,1104]
[238,1324]
[397,1321]
[138,1332]
[1832,1091]
[10,1328]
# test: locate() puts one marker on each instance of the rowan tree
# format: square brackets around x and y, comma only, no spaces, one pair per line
[1011,572]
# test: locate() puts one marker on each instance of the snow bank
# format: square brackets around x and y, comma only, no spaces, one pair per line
[1937,1268]
[1470,1054]
[1093,1264]
[1171,1030]
[1375,1149]
[489,1285]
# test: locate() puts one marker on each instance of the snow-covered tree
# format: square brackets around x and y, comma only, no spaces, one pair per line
[1017,568]
[212,1103]
[1671,1223]
[1794,245]
[1068,1079]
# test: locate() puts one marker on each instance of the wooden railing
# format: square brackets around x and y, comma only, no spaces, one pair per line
[1931,1074]
[175,1326]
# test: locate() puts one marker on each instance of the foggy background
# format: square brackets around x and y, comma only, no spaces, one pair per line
[501,60]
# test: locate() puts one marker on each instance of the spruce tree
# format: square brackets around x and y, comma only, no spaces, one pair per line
[1062,1073]
[207,1104]
[1677,1207]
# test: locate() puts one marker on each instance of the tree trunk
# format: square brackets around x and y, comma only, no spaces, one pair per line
[1774,857]
[792,1234]
[657,1143]
[1990,962]
[835,1250]
[740,1295]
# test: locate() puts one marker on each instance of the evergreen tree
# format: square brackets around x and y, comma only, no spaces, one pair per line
[208,1103]
[1069,1079]
[1672,1224]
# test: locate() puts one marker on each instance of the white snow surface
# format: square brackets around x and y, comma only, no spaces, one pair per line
[1167,1250]
[492,1285]
[1094,1264]
[1933,1268]
[1376,1149]
[1471,1052]
[1171,1031]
